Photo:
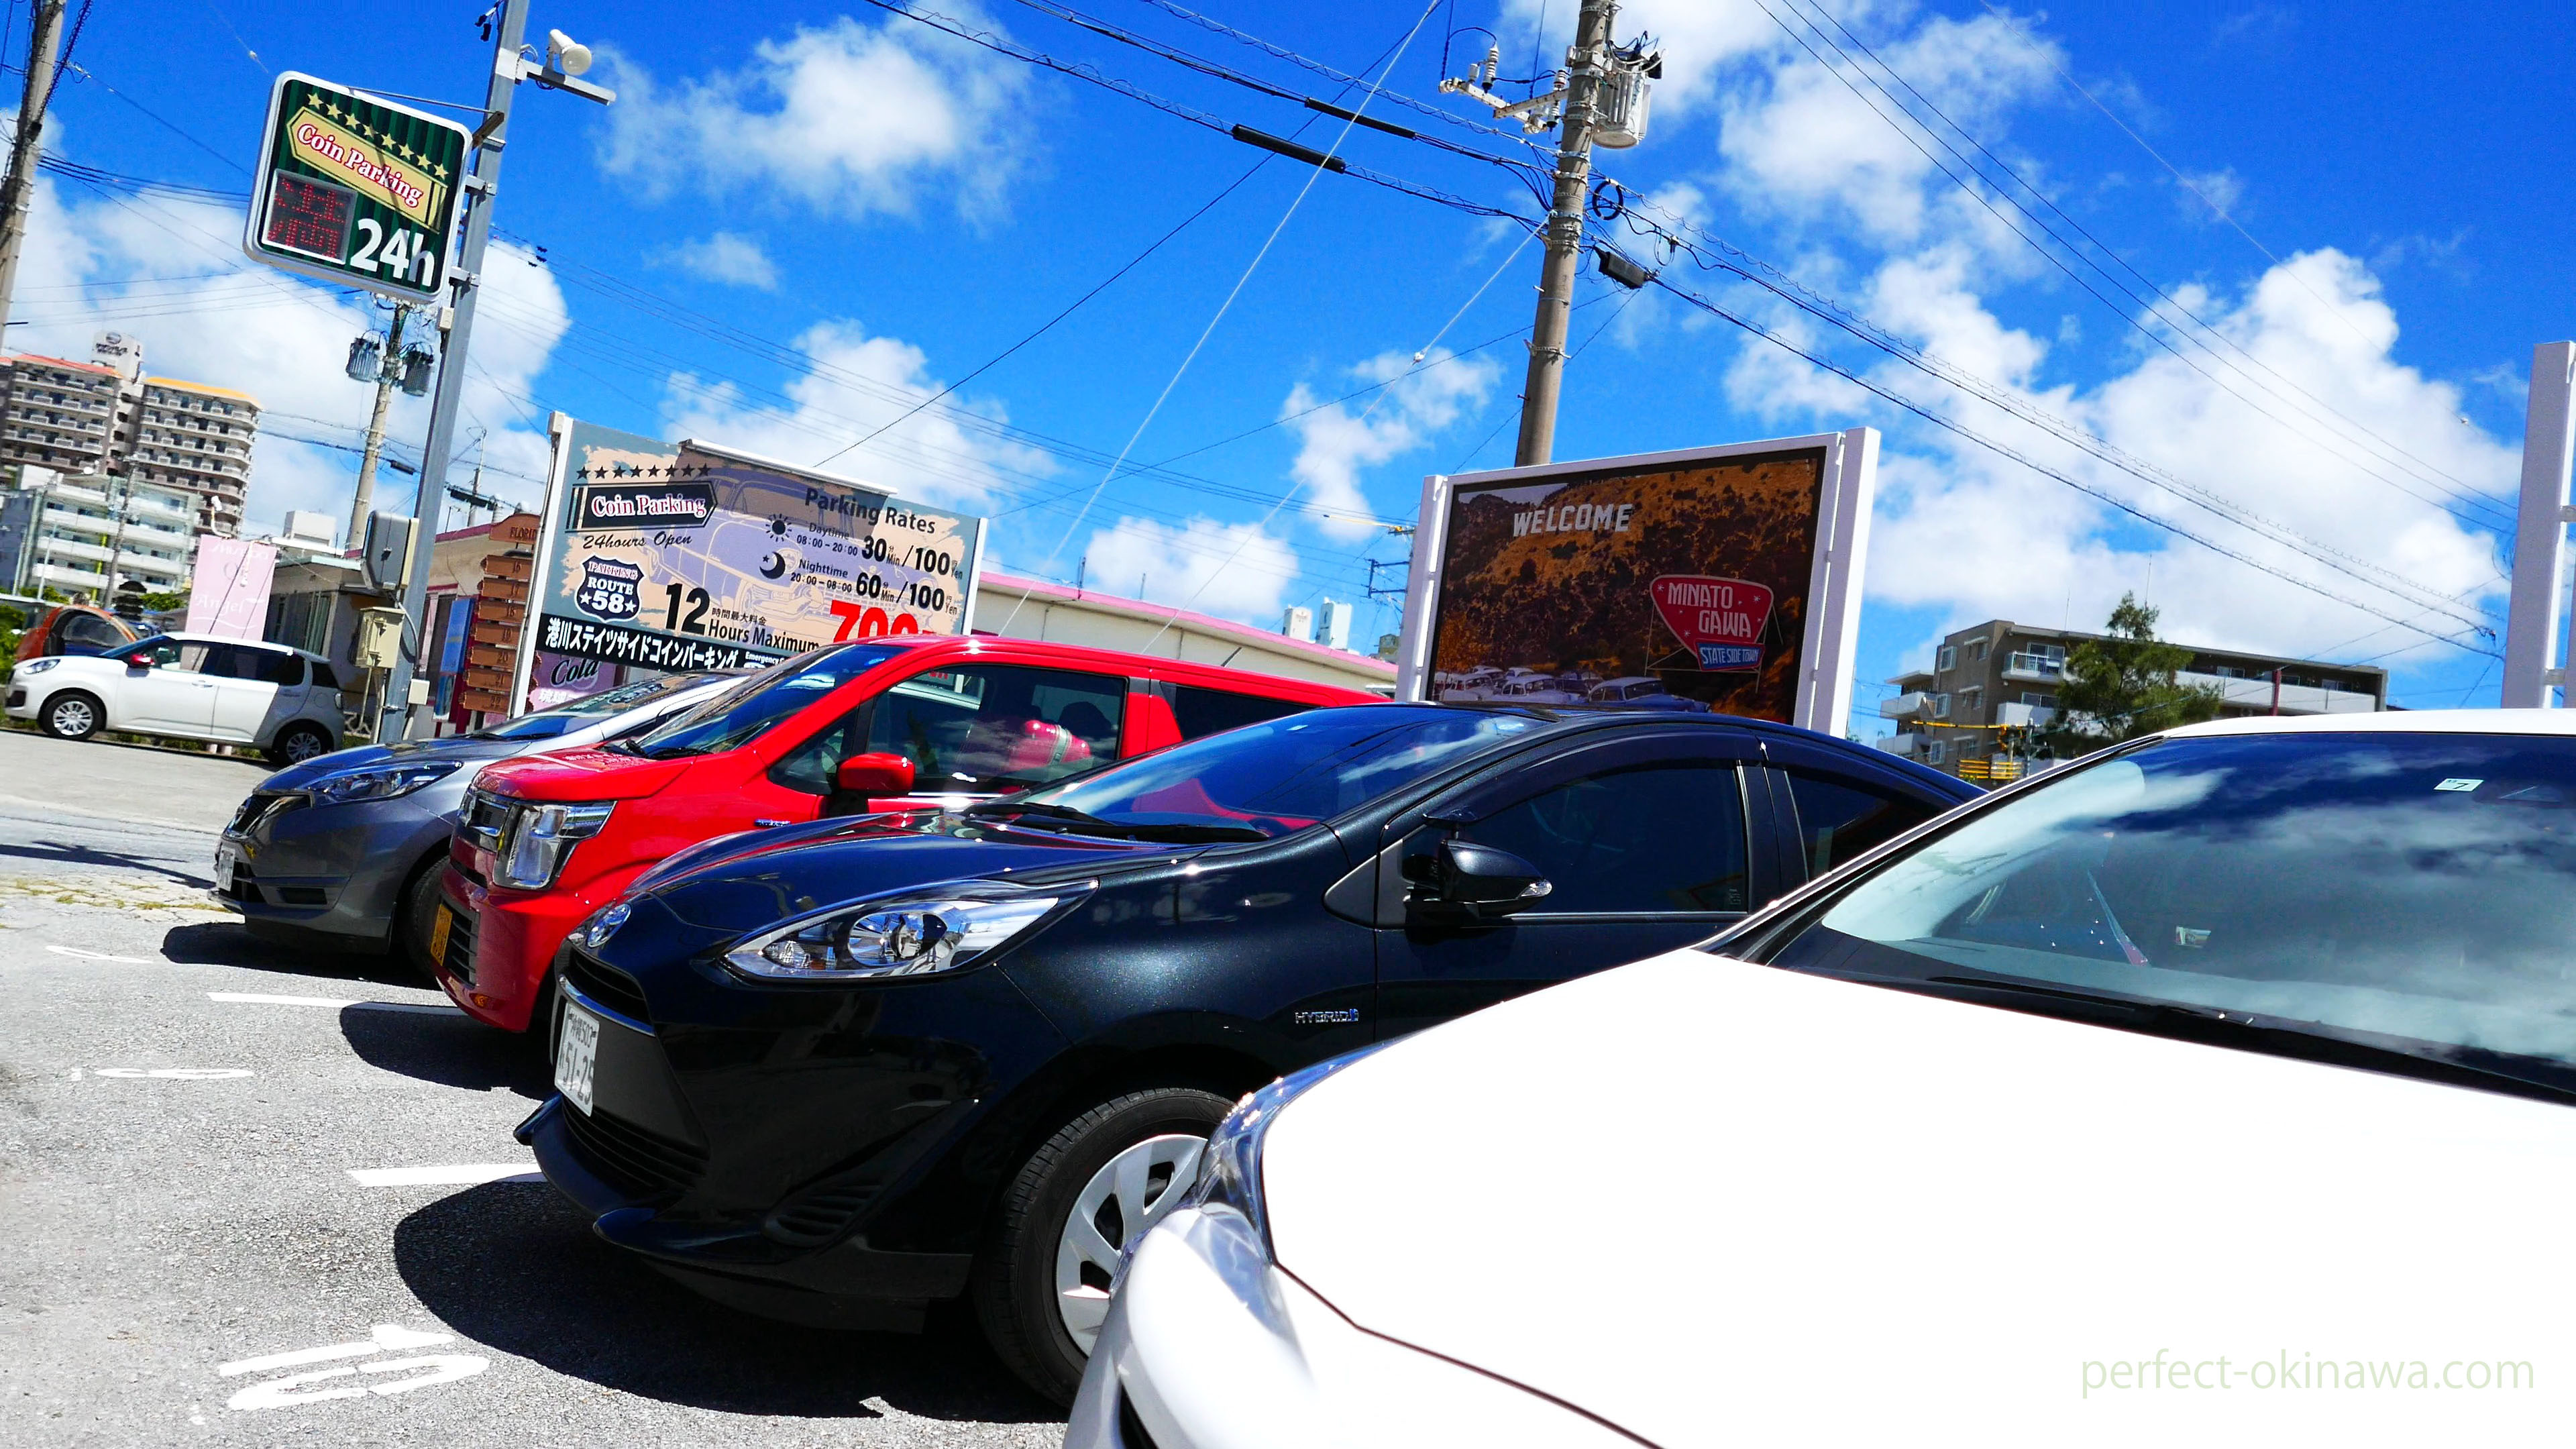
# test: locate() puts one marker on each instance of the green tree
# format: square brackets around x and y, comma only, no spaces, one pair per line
[2123,686]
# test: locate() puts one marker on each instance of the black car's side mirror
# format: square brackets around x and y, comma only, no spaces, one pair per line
[1466,881]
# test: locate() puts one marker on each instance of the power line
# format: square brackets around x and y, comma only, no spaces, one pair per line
[2045,253]
[2162,299]
[2006,451]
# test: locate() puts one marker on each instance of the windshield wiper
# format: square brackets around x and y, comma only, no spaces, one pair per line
[2308,1040]
[1070,821]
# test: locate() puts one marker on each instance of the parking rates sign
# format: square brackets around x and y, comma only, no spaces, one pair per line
[355,190]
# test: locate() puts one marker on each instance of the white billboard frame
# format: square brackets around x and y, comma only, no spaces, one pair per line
[1844,502]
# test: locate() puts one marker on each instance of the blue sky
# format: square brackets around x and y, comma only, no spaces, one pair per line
[801,218]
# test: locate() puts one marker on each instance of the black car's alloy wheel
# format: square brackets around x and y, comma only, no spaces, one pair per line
[1042,1285]
[73,715]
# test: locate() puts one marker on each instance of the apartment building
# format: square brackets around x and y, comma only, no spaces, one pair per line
[88,534]
[192,436]
[57,414]
[2000,675]
[105,417]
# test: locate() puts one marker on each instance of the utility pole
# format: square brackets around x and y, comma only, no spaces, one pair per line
[1587,63]
[564,60]
[386,377]
[18,192]
[1599,99]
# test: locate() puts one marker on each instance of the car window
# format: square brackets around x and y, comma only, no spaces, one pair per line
[278,667]
[814,766]
[1207,711]
[2399,887]
[992,728]
[1285,774]
[174,654]
[748,710]
[564,718]
[1663,837]
[323,675]
[83,633]
[1838,819]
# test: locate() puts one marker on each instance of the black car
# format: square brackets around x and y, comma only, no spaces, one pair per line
[834,1072]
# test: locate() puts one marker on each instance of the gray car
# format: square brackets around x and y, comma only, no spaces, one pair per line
[342,852]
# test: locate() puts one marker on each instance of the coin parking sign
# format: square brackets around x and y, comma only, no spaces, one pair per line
[355,190]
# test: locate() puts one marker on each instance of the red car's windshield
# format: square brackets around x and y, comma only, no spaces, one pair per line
[1269,779]
[745,712]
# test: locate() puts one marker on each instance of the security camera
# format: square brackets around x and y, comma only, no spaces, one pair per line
[566,54]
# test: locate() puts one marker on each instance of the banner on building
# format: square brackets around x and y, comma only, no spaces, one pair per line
[1723,579]
[228,590]
[689,555]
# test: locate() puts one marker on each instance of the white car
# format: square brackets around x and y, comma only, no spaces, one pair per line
[2216,1089]
[282,701]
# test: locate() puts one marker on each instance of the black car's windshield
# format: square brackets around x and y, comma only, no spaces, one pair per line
[1280,776]
[2415,889]
[590,708]
[743,713]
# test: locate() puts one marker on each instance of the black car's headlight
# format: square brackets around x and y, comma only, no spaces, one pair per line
[380,782]
[918,933]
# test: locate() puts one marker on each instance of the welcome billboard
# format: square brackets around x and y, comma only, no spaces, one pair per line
[1723,578]
[690,555]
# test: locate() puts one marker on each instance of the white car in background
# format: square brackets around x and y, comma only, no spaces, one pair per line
[283,702]
[2217,1089]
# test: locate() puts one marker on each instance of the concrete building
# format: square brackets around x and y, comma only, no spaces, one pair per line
[57,414]
[189,435]
[2001,675]
[105,417]
[88,534]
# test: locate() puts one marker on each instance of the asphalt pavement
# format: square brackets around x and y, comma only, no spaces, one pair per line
[256,1196]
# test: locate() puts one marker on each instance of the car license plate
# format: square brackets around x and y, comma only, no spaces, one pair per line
[439,925]
[575,1053]
[227,855]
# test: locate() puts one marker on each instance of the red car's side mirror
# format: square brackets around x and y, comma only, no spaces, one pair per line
[874,776]
[138,661]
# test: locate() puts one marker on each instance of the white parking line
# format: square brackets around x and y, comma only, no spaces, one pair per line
[252,998]
[175,1074]
[100,955]
[460,1175]
[282,1393]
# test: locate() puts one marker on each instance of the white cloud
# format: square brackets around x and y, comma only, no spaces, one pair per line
[727,256]
[1336,443]
[102,265]
[853,385]
[1238,570]
[843,118]
[1800,144]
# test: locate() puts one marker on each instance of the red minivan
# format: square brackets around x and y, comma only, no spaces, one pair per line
[929,721]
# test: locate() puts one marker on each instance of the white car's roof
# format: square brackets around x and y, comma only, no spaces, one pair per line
[2396,721]
[187,638]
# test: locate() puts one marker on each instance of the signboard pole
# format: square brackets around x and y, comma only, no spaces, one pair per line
[467,279]
[1832,644]
[549,530]
[2536,610]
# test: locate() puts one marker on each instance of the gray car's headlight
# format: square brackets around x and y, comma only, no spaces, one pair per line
[915,934]
[380,782]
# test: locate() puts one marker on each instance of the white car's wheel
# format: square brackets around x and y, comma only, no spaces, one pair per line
[72,715]
[297,743]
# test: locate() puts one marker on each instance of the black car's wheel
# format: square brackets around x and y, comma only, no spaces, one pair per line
[1042,1283]
[297,743]
[419,916]
[72,715]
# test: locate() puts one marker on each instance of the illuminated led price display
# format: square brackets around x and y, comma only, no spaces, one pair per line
[356,190]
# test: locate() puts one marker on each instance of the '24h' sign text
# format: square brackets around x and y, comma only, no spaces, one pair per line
[356,190]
